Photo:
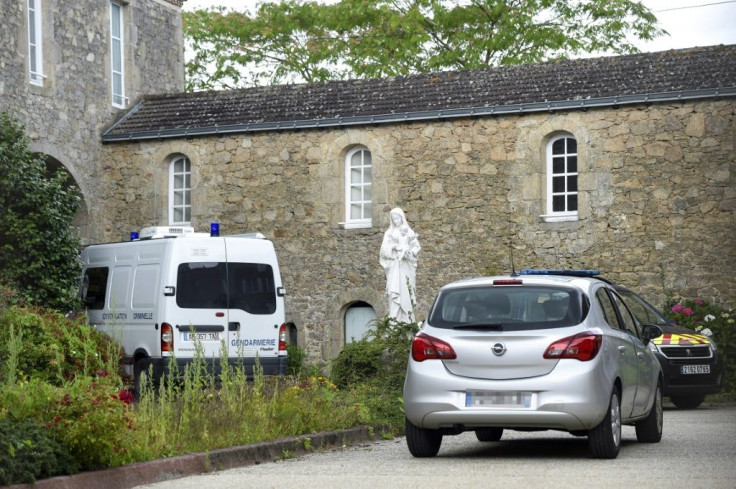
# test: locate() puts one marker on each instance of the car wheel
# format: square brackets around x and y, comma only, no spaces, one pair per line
[687,402]
[489,434]
[422,442]
[605,439]
[649,430]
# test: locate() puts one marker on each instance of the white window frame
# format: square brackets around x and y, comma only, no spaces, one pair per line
[35,43]
[359,179]
[117,56]
[566,214]
[180,191]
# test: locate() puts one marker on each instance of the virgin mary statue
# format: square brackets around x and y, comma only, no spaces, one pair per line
[399,255]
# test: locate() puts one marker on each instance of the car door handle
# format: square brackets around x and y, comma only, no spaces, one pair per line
[622,349]
[233,326]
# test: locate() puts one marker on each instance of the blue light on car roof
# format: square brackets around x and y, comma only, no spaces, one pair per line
[571,273]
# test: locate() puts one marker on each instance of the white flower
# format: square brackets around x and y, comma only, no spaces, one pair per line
[707,332]
[709,318]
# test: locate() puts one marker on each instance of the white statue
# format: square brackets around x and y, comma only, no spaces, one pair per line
[399,255]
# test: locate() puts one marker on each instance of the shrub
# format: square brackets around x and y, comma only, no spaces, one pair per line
[55,348]
[38,247]
[28,452]
[93,418]
[715,321]
[382,356]
[9,296]
[296,360]
[374,369]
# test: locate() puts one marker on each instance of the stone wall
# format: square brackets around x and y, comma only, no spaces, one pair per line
[65,117]
[657,202]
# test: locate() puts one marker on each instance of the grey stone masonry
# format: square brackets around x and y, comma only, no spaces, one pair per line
[66,114]
[657,205]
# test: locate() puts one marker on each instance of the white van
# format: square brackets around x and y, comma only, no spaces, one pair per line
[171,288]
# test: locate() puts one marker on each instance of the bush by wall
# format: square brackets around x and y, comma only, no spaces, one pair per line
[38,245]
[374,369]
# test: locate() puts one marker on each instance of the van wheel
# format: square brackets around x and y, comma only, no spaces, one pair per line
[605,439]
[489,434]
[141,377]
[422,442]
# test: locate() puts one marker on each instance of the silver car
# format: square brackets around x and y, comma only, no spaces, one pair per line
[542,350]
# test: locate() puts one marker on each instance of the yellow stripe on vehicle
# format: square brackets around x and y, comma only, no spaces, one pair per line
[681,339]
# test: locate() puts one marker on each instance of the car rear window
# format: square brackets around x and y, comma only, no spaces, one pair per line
[512,308]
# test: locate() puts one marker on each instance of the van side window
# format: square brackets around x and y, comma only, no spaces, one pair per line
[252,288]
[95,287]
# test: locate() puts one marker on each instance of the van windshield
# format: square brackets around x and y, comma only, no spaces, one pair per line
[219,285]
[509,308]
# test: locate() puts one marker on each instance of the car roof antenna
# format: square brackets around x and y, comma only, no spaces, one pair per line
[511,257]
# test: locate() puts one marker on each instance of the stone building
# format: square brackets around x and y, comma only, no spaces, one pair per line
[624,164]
[69,68]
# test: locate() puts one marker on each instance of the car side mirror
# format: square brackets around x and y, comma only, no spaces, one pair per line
[649,332]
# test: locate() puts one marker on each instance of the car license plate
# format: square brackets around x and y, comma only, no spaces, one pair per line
[498,399]
[695,369]
[201,336]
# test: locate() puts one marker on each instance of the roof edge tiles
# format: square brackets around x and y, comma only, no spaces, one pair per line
[422,116]
[581,84]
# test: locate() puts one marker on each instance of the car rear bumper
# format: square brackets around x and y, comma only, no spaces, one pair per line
[572,398]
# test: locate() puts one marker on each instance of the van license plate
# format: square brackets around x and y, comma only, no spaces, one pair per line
[695,369]
[201,336]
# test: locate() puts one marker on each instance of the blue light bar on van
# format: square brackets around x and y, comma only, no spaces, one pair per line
[569,273]
[214,229]
[133,235]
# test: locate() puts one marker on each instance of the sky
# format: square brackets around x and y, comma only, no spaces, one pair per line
[690,23]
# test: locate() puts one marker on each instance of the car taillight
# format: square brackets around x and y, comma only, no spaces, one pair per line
[282,338]
[582,346]
[167,337]
[425,347]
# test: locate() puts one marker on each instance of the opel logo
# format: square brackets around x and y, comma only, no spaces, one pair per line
[498,349]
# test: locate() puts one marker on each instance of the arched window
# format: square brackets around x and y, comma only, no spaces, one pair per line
[359,319]
[562,179]
[358,190]
[180,190]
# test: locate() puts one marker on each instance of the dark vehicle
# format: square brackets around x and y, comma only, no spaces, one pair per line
[691,364]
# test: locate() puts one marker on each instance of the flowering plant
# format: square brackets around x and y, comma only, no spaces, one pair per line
[699,315]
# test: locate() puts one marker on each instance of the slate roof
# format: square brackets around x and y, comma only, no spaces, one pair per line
[695,73]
